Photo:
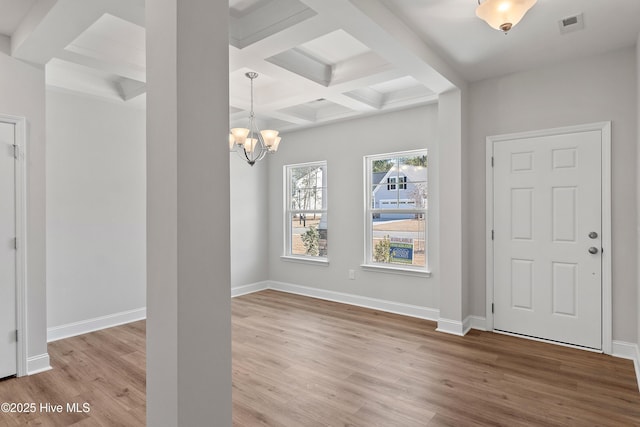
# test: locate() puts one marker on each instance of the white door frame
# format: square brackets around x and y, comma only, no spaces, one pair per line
[20,124]
[605,128]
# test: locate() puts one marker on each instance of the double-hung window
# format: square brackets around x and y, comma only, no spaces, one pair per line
[306,211]
[396,211]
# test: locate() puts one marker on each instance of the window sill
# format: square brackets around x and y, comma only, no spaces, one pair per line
[323,262]
[395,270]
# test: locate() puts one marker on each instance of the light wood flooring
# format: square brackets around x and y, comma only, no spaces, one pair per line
[304,362]
[105,369]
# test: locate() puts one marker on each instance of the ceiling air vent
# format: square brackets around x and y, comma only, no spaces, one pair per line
[570,24]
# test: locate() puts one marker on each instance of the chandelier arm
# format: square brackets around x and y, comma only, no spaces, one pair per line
[242,153]
[263,153]
[246,155]
[249,160]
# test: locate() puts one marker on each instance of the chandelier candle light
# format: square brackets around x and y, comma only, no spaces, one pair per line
[503,14]
[251,143]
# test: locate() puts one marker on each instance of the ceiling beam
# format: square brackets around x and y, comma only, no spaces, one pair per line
[282,41]
[383,32]
[53,24]
[128,71]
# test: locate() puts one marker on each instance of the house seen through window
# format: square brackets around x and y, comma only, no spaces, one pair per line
[306,210]
[396,214]
[394,180]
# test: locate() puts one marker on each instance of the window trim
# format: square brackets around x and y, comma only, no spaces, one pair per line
[288,211]
[370,210]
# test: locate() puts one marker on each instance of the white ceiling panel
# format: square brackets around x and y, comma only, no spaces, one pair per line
[333,48]
[321,60]
[114,40]
[389,86]
[480,52]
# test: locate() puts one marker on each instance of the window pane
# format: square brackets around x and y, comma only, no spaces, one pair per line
[397,204]
[418,162]
[308,234]
[399,182]
[381,166]
[399,239]
[306,188]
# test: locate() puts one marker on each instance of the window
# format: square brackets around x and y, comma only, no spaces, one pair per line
[306,211]
[396,179]
[396,214]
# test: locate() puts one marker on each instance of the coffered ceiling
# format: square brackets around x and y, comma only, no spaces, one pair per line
[317,60]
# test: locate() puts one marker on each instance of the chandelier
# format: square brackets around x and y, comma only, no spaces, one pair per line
[250,143]
[503,14]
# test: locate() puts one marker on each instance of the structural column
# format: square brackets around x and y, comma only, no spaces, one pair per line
[638,197]
[450,196]
[188,262]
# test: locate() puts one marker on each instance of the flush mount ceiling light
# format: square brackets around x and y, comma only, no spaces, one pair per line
[503,14]
[251,143]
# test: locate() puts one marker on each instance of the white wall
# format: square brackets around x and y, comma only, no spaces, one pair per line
[587,90]
[96,224]
[343,146]
[249,221]
[22,93]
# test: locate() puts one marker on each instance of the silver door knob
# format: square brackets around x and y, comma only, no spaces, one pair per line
[593,250]
[593,235]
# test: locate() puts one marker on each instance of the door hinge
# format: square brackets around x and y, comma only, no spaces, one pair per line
[16,335]
[492,308]
[16,151]
[15,243]
[492,234]
[491,161]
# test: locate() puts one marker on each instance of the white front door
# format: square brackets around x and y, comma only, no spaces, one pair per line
[8,349]
[547,242]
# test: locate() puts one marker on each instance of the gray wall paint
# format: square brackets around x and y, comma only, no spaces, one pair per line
[96,212]
[587,90]
[343,146]
[22,93]
[249,221]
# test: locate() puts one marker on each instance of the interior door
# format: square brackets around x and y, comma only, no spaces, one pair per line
[8,345]
[547,244]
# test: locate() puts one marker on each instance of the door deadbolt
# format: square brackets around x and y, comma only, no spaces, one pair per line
[593,250]
[593,235]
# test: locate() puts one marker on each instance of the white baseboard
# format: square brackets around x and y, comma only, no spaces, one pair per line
[90,325]
[37,364]
[453,327]
[476,322]
[357,300]
[249,289]
[627,350]
[444,325]
[620,349]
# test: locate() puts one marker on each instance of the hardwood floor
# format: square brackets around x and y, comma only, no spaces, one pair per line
[305,362]
[105,369]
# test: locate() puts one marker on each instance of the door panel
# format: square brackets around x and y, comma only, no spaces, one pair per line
[8,359]
[547,199]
